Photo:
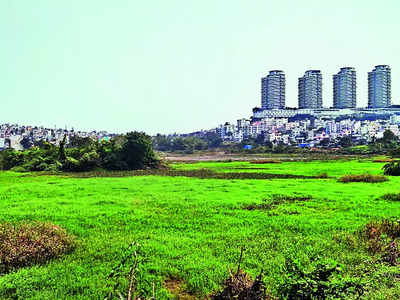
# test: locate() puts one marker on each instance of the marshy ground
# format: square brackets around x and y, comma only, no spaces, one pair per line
[192,221]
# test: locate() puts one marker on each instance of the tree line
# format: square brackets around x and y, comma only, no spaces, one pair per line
[131,151]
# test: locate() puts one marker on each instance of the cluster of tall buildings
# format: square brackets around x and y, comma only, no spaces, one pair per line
[273,88]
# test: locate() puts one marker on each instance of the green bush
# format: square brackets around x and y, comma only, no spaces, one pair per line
[392,169]
[317,281]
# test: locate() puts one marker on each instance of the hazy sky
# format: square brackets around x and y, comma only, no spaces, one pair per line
[166,66]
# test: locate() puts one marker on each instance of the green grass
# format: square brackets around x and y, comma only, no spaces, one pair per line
[192,229]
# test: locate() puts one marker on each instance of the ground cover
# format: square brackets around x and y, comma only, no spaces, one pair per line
[191,230]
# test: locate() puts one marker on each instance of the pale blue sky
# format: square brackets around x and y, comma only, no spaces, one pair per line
[166,66]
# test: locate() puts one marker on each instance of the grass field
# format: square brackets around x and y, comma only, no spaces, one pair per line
[192,229]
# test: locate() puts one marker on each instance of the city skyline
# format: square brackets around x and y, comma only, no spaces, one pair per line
[273,89]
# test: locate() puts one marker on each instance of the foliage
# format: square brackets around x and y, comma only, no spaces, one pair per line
[392,168]
[31,243]
[129,152]
[187,144]
[128,268]
[316,282]
[391,197]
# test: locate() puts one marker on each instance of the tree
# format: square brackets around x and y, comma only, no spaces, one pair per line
[389,137]
[137,151]
[345,141]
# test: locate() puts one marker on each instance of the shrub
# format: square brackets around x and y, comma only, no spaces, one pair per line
[316,282]
[382,238]
[323,175]
[240,286]
[391,197]
[392,169]
[362,178]
[31,243]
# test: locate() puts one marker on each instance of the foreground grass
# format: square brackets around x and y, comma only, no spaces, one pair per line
[192,229]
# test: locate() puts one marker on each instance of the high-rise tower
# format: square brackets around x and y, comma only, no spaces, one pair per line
[310,89]
[273,90]
[379,87]
[344,88]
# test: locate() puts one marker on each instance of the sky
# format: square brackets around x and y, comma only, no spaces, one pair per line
[180,66]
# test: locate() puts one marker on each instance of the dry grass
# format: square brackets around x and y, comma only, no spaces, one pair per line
[31,243]
[362,178]
[383,238]
[266,161]
[176,288]
[383,160]
[240,286]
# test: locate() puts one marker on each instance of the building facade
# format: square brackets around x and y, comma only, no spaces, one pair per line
[310,90]
[273,88]
[379,87]
[344,88]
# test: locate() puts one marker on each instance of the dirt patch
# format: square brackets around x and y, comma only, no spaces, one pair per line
[176,288]
[266,161]
[201,173]
[31,243]
[276,200]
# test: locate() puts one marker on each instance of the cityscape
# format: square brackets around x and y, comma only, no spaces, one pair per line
[309,125]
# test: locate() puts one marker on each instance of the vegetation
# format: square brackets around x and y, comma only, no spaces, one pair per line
[187,144]
[362,178]
[25,244]
[391,197]
[317,282]
[129,152]
[191,229]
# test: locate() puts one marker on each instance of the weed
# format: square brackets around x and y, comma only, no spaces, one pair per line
[31,243]
[128,267]
[240,286]
[382,238]
[391,197]
[316,282]
[362,178]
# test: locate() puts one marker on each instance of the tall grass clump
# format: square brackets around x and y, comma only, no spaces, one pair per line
[31,243]
[383,239]
[362,178]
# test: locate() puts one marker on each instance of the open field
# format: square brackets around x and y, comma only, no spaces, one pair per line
[191,228]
